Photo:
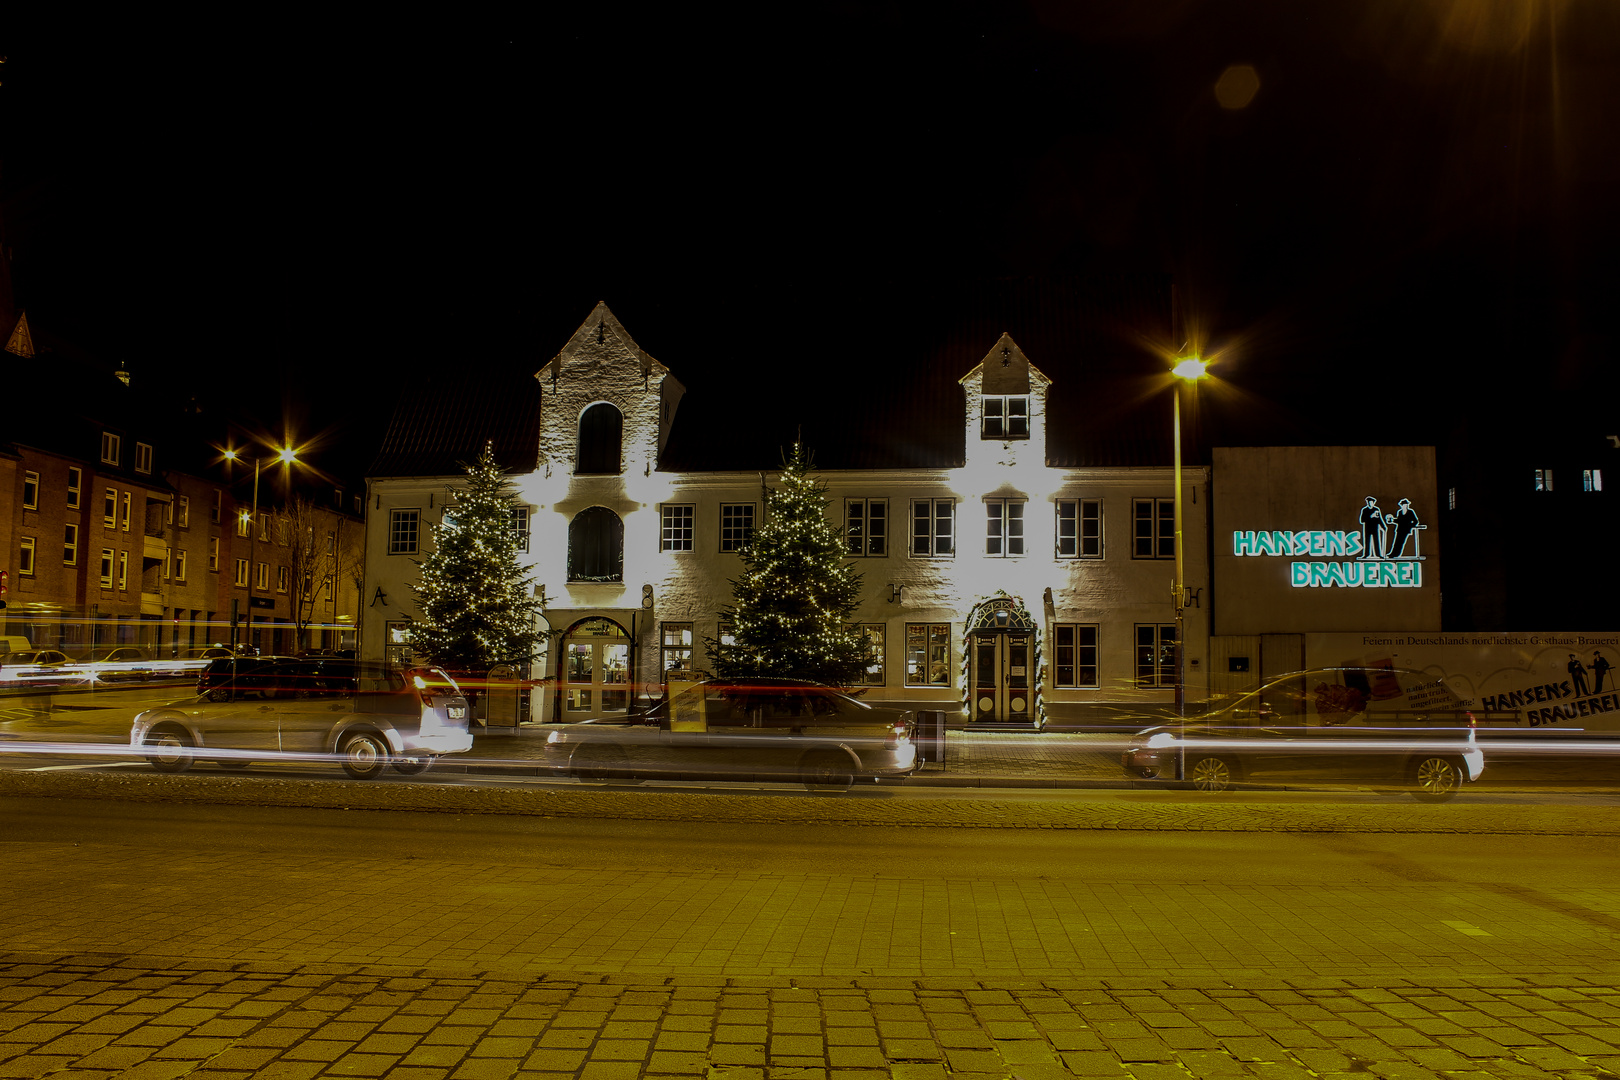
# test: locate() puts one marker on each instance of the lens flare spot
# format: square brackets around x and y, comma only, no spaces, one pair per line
[1237,86]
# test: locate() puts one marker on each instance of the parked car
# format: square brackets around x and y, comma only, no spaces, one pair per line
[1366,726]
[742,729]
[34,667]
[34,658]
[365,716]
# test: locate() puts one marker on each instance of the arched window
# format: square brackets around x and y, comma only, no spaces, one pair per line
[596,545]
[601,429]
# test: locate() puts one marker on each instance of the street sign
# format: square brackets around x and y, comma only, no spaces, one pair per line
[261,601]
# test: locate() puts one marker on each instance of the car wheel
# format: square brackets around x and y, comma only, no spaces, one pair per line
[826,770]
[605,762]
[217,694]
[1436,779]
[414,765]
[232,763]
[171,757]
[1211,773]
[365,755]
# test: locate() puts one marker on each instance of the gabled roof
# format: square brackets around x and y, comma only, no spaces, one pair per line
[443,422]
[21,341]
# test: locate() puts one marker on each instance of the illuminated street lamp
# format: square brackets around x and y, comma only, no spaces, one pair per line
[1187,371]
[287,456]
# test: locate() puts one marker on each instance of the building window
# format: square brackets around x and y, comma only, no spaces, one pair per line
[75,481]
[213,554]
[675,652]
[167,554]
[264,528]
[1154,529]
[219,506]
[1079,529]
[261,577]
[109,509]
[678,523]
[866,526]
[1451,498]
[70,546]
[1006,417]
[30,491]
[331,540]
[1004,527]
[727,631]
[1591,479]
[596,546]
[241,568]
[403,526]
[143,457]
[331,590]
[180,566]
[872,635]
[736,525]
[601,430]
[124,512]
[281,579]
[928,654]
[184,513]
[1074,648]
[244,523]
[111,447]
[25,557]
[107,567]
[1544,480]
[1155,654]
[520,530]
[933,526]
[123,571]
[168,512]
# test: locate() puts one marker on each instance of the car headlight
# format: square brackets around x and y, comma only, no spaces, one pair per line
[554,738]
[1160,740]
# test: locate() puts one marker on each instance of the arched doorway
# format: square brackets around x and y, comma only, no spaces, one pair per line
[594,670]
[1002,647]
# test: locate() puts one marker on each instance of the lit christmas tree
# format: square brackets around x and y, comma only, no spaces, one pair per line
[797,592]
[476,600]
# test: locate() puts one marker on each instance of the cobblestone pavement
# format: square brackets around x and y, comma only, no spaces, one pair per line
[102,1016]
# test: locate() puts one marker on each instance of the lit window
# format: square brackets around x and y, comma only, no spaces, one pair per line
[264,527]
[1079,529]
[1004,527]
[109,509]
[872,634]
[678,525]
[70,546]
[241,568]
[1451,498]
[1075,654]
[107,567]
[1591,479]
[180,566]
[143,458]
[111,447]
[928,654]
[933,527]
[184,513]
[261,577]
[1156,655]
[30,491]
[520,529]
[1154,532]
[402,529]
[25,557]
[1544,480]
[75,480]
[866,526]
[213,554]
[281,579]
[675,652]
[1006,417]
[736,525]
[123,570]
[124,512]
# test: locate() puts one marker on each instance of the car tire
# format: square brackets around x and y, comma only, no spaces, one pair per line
[605,763]
[1212,772]
[170,739]
[217,694]
[1434,778]
[414,765]
[232,763]
[826,771]
[365,755]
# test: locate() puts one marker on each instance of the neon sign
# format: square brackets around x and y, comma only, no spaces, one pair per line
[1372,558]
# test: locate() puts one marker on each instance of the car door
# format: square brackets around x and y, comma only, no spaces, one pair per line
[239,715]
[310,701]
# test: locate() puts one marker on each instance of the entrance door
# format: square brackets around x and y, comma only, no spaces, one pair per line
[596,670]
[1001,676]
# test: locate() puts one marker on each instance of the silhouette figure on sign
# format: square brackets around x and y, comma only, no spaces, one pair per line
[1600,670]
[1405,521]
[1372,530]
[1577,674]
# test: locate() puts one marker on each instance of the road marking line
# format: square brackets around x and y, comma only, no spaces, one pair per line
[97,765]
[1465,928]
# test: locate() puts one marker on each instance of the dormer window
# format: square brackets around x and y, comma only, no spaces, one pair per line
[601,430]
[1006,417]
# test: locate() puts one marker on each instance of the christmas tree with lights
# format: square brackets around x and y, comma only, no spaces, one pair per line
[476,600]
[797,593]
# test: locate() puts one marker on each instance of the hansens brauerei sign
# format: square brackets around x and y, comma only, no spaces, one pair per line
[1383,553]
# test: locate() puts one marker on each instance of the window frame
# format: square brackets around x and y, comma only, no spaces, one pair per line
[932,541]
[168,554]
[733,544]
[930,633]
[123,571]
[109,509]
[520,529]
[213,554]
[877,634]
[261,577]
[143,458]
[30,481]
[282,578]
[27,555]
[180,566]
[75,486]
[218,511]
[1544,480]
[396,516]
[999,428]
[999,520]
[108,558]
[668,649]
[1157,678]
[1079,537]
[670,528]
[112,447]
[182,514]
[124,511]
[239,573]
[867,543]
[70,544]
[1592,480]
[1164,515]
[1077,649]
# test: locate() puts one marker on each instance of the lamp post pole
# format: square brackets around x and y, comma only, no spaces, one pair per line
[253,549]
[1189,370]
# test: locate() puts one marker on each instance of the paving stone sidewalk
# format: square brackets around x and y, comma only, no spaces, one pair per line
[108,1016]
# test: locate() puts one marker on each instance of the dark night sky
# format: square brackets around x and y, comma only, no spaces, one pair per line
[1413,218]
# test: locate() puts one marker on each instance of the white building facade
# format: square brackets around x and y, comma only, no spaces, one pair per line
[999,588]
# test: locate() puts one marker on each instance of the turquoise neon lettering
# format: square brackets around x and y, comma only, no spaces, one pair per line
[1352,573]
[1387,574]
[1352,543]
[1335,543]
[1262,544]
[1280,543]
[1335,573]
[1369,575]
[1318,543]
[1417,574]
[1319,574]
[1301,542]
[1299,574]
[1243,543]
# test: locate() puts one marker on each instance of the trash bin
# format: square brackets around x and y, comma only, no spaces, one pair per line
[929,737]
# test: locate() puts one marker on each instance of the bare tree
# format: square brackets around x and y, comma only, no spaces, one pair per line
[314,547]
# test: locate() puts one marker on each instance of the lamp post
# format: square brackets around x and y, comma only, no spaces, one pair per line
[1187,371]
[286,456]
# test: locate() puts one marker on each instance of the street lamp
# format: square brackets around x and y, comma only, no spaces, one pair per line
[1187,371]
[285,455]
